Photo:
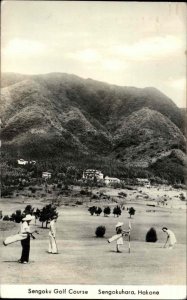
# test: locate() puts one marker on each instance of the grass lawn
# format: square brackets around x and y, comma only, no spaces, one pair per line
[86,259]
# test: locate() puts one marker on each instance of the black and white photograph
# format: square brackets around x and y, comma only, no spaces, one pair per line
[93,150]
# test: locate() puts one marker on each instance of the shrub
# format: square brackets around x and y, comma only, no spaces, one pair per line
[100,231]
[6,191]
[20,188]
[6,218]
[122,194]
[107,211]
[95,196]
[92,210]
[151,235]
[182,197]
[85,193]
[78,202]
[128,187]
[59,185]
[131,211]
[32,189]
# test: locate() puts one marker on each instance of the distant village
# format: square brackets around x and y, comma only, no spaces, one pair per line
[90,174]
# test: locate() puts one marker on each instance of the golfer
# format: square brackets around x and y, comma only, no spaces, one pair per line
[119,230]
[171,239]
[25,228]
[52,236]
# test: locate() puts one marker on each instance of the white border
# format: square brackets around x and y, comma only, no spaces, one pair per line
[93,291]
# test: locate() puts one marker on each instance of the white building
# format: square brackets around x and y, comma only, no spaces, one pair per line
[22,161]
[91,174]
[46,175]
[143,181]
[109,180]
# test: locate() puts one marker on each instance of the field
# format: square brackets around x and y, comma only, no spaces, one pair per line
[85,259]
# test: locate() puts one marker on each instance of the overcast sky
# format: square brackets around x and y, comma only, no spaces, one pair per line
[125,43]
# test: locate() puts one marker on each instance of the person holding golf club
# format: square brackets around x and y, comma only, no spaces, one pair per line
[171,239]
[121,232]
[52,236]
[25,243]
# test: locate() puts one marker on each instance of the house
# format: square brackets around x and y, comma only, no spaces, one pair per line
[46,175]
[109,180]
[22,161]
[143,182]
[92,174]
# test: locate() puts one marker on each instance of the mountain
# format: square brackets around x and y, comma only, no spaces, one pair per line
[52,114]
[144,135]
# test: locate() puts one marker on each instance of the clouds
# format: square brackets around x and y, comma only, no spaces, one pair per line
[125,43]
[178,83]
[23,47]
[157,47]
[85,55]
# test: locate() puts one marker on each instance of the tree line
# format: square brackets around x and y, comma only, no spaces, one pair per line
[44,215]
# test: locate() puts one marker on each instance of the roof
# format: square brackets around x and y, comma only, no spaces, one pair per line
[113,178]
[91,171]
[143,179]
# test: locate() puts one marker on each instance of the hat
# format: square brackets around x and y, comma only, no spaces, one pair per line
[28,218]
[119,224]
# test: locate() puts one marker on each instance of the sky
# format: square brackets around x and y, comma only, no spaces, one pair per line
[139,44]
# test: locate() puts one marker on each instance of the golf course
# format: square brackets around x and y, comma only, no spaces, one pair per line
[84,258]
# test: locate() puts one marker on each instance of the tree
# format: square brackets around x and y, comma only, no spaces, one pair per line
[117,211]
[107,211]
[131,211]
[92,210]
[98,211]
[47,213]
[28,210]
[17,216]
[151,235]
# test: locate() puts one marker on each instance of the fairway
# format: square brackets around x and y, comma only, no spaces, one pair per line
[85,259]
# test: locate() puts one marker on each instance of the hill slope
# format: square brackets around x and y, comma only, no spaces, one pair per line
[146,134]
[49,115]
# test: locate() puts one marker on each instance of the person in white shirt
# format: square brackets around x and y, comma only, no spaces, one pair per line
[52,236]
[171,239]
[121,232]
[25,228]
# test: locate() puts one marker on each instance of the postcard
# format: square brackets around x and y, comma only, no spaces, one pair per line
[93,150]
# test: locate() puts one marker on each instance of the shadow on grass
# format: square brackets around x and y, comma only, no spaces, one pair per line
[16,261]
[10,261]
[112,251]
[52,253]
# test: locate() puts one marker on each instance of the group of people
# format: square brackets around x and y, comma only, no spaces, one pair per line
[53,249]
[25,243]
[170,240]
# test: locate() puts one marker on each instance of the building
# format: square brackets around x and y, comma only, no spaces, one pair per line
[92,174]
[22,161]
[46,175]
[143,181]
[110,180]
